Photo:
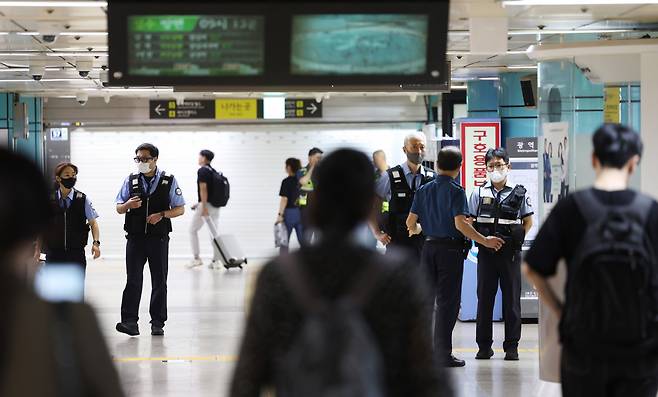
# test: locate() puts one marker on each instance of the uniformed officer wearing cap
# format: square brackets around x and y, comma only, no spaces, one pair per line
[399,189]
[149,198]
[441,208]
[501,209]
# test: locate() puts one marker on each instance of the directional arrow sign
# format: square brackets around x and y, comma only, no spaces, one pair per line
[193,109]
[303,109]
[159,109]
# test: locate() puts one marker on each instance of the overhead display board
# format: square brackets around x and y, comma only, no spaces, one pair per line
[280,45]
[196,45]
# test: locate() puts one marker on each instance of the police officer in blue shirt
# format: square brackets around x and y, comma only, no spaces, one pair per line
[398,187]
[501,209]
[68,234]
[149,199]
[442,210]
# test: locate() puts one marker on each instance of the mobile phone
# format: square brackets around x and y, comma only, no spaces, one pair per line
[60,283]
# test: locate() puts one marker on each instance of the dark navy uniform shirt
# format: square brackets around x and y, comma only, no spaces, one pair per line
[437,204]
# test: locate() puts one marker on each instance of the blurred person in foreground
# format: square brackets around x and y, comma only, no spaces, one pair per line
[337,317]
[48,349]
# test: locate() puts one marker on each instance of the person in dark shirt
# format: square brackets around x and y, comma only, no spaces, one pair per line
[289,212]
[38,359]
[395,310]
[204,209]
[617,152]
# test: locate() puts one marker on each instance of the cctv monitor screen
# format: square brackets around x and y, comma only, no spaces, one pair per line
[196,45]
[366,44]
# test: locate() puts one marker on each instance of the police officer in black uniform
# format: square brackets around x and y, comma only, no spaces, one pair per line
[441,208]
[399,189]
[500,209]
[149,198]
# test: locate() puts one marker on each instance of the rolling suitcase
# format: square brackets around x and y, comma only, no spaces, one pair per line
[228,247]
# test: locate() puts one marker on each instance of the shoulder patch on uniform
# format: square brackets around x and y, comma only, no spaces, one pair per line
[487,200]
[395,174]
[80,195]
[179,192]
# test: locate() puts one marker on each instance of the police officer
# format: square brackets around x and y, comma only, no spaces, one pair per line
[441,208]
[149,199]
[398,189]
[501,209]
[68,234]
[305,177]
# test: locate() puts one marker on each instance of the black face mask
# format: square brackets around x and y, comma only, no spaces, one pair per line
[68,182]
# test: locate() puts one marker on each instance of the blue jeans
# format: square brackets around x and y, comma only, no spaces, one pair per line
[292,217]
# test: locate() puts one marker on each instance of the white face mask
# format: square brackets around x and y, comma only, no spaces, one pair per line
[498,176]
[144,168]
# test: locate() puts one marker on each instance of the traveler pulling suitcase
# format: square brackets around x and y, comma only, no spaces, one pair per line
[228,247]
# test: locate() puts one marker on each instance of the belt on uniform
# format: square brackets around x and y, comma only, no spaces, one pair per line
[500,221]
[446,241]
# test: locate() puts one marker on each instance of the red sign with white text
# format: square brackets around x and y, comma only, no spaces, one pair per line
[476,139]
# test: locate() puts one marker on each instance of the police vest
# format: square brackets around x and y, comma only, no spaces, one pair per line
[135,223]
[68,229]
[501,218]
[308,187]
[402,197]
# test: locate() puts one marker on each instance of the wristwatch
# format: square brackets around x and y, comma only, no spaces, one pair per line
[97,243]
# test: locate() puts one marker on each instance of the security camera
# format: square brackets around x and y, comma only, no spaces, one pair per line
[37,71]
[84,67]
[49,38]
[459,57]
[82,98]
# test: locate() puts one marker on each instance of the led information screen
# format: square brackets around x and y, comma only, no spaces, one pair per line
[356,44]
[196,45]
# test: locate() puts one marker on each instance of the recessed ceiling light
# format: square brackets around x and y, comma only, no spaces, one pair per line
[575,3]
[73,4]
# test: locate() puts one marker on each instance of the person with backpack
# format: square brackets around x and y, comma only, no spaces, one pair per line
[289,212]
[337,318]
[212,192]
[608,236]
[49,349]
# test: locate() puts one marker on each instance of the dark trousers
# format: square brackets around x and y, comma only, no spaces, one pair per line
[443,268]
[139,250]
[503,266]
[411,247]
[292,217]
[74,256]
[585,376]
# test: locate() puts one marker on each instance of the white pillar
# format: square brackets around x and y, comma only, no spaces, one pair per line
[649,88]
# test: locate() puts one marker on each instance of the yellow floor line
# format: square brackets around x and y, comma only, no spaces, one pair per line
[229,359]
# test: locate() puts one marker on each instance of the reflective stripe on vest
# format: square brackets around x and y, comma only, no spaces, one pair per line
[385,207]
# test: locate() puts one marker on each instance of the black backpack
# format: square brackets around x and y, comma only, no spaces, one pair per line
[221,189]
[334,353]
[611,304]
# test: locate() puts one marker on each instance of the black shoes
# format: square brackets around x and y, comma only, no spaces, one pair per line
[127,328]
[484,354]
[157,330]
[453,362]
[512,355]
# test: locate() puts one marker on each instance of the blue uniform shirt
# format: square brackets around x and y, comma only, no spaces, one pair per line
[175,194]
[90,212]
[383,183]
[437,204]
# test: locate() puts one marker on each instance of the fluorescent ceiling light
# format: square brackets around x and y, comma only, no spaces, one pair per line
[71,4]
[565,31]
[515,52]
[489,78]
[457,87]
[83,34]
[40,81]
[131,89]
[18,54]
[28,33]
[575,2]
[522,67]
[76,54]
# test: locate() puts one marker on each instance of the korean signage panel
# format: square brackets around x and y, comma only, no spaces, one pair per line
[236,109]
[477,137]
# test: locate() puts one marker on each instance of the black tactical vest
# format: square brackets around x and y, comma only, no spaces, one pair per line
[402,197]
[68,229]
[135,223]
[500,218]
